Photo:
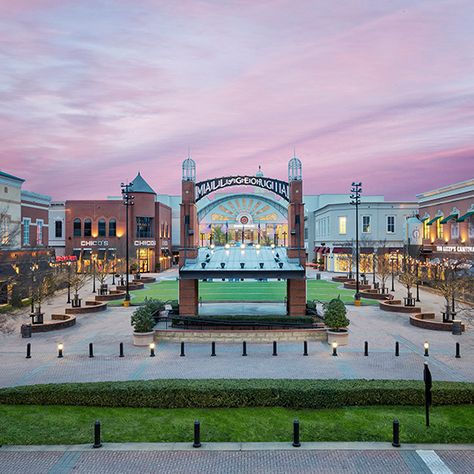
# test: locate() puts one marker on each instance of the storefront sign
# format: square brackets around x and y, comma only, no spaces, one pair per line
[145,243]
[66,258]
[94,243]
[164,244]
[454,248]
[281,188]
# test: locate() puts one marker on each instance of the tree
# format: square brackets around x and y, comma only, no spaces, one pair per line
[103,269]
[335,315]
[78,280]
[408,278]
[218,236]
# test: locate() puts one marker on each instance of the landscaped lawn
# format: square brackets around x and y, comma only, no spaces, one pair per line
[31,424]
[269,291]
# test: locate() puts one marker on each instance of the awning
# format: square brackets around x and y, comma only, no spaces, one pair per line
[426,250]
[326,250]
[423,219]
[447,219]
[344,250]
[317,249]
[432,221]
[466,216]
[366,250]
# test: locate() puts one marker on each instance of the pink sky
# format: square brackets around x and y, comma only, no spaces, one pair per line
[380,91]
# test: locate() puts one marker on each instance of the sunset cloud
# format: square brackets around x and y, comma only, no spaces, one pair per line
[379,91]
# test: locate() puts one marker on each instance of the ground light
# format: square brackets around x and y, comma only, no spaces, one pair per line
[426,345]
[60,349]
[152,349]
[334,348]
[227,246]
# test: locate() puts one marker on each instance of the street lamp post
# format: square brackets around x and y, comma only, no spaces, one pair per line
[127,201]
[373,268]
[392,261]
[93,273]
[202,239]
[68,282]
[113,273]
[417,282]
[284,238]
[356,189]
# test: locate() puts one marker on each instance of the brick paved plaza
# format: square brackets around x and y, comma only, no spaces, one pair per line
[277,458]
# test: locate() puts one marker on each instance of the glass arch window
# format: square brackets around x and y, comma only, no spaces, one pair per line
[77,228]
[101,228]
[112,228]
[87,228]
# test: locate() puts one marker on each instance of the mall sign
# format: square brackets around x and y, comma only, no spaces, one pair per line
[281,188]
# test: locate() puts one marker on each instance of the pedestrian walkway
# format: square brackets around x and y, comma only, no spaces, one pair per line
[228,458]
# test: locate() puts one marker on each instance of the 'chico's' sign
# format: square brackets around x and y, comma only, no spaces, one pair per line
[281,188]
[144,243]
[94,243]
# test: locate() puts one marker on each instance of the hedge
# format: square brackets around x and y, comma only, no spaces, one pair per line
[226,393]
[294,320]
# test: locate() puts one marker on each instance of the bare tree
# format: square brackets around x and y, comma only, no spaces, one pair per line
[103,269]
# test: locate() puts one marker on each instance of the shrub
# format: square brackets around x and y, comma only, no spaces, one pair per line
[142,319]
[335,315]
[226,393]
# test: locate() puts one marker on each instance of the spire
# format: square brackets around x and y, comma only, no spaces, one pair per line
[139,185]
[259,173]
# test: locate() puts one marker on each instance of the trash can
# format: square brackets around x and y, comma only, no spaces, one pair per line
[457,328]
[25,330]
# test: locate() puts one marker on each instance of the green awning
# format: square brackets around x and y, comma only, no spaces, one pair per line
[447,219]
[423,219]
[466,216]
[432,221]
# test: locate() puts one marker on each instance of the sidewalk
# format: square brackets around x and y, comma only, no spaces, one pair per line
[364,458]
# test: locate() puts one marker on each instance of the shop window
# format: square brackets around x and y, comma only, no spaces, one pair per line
[58,229]
[454,230]
[26,231]
[390,224]
[439,229]
[87,228]
[470,226]
[112,228]
[39,232]
[144,227]
[342,224]
[77,230]
[366,224]
[101,228]
[426,228]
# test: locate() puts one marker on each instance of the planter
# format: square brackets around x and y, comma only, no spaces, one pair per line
[143,338]
[341,337]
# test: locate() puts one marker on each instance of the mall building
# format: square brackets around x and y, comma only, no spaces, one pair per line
[447,214]
[87,230]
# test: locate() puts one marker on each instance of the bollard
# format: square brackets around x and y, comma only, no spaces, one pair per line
[458,350]
[296,433]
[396,434]
[275,353]
[397,349]
[305,348]
[197,434]
[244,349]
[60,350]
[182,350]
[152,349]
[28,350]
[334,349]
[91,349]
[97,443]
[366,348]
[121,350]
[426,347]
[213,349]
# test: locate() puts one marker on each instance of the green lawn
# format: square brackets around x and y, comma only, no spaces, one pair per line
[70,425]
[270,291]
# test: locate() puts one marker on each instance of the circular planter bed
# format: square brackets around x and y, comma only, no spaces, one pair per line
[112,295]
[132,286]
[58,321]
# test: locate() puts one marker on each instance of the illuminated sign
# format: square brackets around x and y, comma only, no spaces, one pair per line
[94,243]
[454,248]
[281,188]
[145,243]
[66,258]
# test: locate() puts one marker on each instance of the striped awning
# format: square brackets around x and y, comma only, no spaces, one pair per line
[466,216]
[432,221]
[447,219]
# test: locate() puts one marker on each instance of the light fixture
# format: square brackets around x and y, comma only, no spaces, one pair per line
[272,246]
[152,349]
[334,348]
[257,246]
[212,246]
[60,349]
[242,246]
[426,345]
[227,246]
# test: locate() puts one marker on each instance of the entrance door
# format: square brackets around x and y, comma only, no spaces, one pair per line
[144,258]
